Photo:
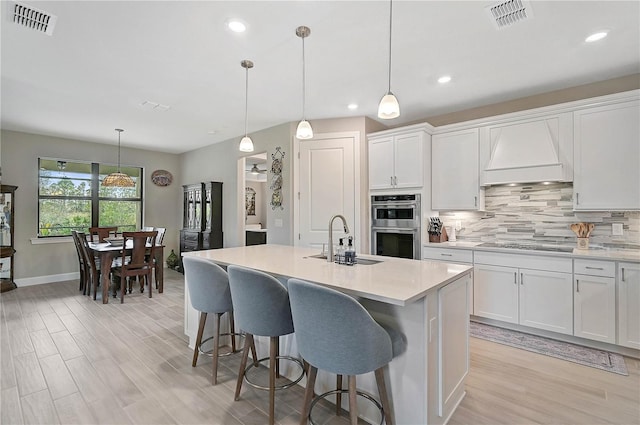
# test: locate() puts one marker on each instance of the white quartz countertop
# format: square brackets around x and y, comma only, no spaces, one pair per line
[394,280]
[598,253]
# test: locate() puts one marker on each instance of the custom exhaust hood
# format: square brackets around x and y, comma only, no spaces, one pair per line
[528,152]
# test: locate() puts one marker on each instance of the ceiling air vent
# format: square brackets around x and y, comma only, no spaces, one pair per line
[509,12]
[32,18]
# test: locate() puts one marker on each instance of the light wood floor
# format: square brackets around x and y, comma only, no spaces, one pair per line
[68,359]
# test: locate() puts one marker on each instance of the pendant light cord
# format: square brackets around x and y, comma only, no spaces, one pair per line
[246,103]
[390,28]
[303,83]
[119,132]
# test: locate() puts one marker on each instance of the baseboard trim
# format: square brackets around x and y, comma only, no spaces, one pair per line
[52,278]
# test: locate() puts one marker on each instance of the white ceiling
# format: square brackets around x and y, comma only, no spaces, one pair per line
[105,58]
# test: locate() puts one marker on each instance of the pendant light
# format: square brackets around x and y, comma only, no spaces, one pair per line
[304,130]
[118,179]
[246,144]
[389,106]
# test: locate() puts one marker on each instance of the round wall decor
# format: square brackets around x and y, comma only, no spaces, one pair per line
[161,178]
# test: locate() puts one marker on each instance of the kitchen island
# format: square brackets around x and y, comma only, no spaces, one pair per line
[426,300]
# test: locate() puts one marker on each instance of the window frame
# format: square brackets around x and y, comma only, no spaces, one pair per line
[95,197]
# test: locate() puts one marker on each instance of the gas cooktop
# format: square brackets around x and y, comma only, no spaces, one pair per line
[511,245]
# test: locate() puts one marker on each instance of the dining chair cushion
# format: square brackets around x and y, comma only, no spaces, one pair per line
[208,285]
[335,332]
[260,302]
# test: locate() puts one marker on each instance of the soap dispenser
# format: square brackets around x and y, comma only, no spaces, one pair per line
[350,253]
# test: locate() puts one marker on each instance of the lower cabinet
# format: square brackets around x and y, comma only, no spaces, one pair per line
[520,293]
[629,305]
[594,290]
[452,255]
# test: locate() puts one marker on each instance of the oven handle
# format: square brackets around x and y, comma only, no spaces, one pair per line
[395,229]
[394,204]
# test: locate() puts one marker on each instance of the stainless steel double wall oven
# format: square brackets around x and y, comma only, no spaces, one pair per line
[395,225]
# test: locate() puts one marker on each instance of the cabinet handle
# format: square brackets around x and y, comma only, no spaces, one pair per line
[475,201]
[577,198]
[521,278]
[395,180]
[391,180]
[623,274]
[577,285]
[594,268]
[447,255]
[515,278]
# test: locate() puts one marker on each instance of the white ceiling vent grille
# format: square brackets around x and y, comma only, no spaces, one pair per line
[509,12]
[32,18]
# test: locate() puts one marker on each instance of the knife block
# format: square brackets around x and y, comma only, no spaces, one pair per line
[442,237]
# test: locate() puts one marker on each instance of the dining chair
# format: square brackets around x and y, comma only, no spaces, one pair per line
[136,260]
[102,233]
[81,262]
[92,265]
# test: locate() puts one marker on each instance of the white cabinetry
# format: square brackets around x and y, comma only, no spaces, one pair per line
[452,255]
[594,300]
[454,171]
[607,157]
[396,160]
[629,305]
[523,289]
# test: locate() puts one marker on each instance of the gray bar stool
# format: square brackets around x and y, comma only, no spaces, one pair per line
[261,304]
[208,286]
[335,333]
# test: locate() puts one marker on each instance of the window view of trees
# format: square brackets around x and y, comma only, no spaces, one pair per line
[70,194]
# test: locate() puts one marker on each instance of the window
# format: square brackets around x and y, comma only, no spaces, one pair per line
[71,197]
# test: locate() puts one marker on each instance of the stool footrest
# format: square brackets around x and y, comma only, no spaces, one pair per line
[363,394]
[209,353]
[279,387]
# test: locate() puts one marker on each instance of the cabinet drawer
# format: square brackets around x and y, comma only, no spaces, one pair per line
[524,261]
[190,237]
[450,255]
[594,268]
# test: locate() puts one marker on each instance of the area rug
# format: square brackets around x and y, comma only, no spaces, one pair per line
[592,357]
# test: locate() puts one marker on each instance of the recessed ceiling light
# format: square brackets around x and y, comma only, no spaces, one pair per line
[236,25]
[352,106]
[596,36]
[444,79]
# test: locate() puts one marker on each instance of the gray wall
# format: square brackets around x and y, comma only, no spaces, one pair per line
[19,153]
[219,162]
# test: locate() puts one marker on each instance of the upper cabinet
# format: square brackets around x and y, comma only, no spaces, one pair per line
[535,149]
[607,157]
[396,159]
[454,171]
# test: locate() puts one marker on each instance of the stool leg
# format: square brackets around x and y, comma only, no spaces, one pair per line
[338,395]
[353,400]
[276,361]
[308,393]
[248,342]
[233,332]
[273,352]
[216,346]
[382,390]
[203,319]
[254,354]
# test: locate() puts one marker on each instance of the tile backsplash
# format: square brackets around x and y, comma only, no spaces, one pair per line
[541,213]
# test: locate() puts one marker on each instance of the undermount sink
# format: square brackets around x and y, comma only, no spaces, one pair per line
[359,260]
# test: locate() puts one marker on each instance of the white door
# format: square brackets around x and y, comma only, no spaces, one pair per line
[546,300]
[495,292]
[595,308]
[327,187]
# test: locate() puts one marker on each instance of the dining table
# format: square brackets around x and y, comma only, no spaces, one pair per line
[107,251]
